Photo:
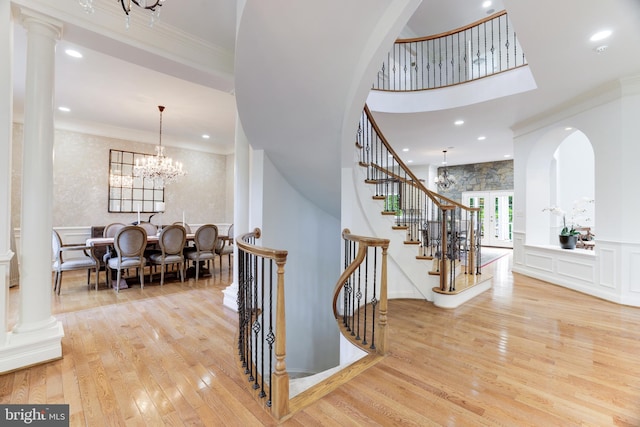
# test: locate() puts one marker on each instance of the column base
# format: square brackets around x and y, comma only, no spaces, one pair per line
[231,297]
[24,349]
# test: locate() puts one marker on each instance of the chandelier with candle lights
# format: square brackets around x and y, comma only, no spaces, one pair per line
[159,168]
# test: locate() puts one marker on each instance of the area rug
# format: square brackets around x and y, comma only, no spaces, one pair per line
[488,255]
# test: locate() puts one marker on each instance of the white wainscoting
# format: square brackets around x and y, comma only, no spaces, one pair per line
[607,272]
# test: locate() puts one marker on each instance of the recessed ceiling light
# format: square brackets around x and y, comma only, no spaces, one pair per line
[64,109]
[568,128]
[482,138]
[507,155]
[73,53]
[409,161]
[405,149]
[458,122]
[486,4]
[205,136]
[600,35]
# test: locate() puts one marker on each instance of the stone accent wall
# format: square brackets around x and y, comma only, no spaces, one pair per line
[490,176]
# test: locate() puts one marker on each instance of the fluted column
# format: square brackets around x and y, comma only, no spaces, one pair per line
[37,335]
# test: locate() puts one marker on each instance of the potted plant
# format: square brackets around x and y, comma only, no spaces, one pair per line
[568,236]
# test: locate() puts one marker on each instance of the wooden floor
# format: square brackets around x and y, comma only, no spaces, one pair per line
[524,353]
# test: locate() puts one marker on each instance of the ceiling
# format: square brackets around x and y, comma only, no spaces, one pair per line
[554,36]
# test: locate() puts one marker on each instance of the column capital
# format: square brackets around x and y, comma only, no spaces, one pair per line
[28,17]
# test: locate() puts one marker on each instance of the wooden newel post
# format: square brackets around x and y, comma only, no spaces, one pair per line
[280,386]
[444,271]
[471,256]
[382,323]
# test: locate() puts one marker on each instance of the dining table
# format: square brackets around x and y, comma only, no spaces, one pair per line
[108,241]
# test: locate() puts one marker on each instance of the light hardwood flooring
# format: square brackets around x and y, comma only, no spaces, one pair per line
[525,353]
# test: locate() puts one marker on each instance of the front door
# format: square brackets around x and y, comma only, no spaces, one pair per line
[496,215]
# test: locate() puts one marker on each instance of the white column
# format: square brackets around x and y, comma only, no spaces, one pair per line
[6,127]
[37,336]
[240,207]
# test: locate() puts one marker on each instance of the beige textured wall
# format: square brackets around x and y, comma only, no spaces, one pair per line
[80,182]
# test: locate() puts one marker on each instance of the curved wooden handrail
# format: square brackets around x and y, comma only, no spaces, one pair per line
[364,243]
[468,53]
[435,197]
[277,255]
[452,32]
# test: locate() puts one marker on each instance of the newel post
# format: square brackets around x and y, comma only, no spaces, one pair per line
[444,270]
[280,384]
[382,324]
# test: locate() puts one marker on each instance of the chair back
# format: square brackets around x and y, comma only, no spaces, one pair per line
[56,245]
[113,228]
[230,232]
[206,238]
[130,241]
[150,229]
[185,225]
[172,239]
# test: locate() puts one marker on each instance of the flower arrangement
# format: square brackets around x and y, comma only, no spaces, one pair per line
[577,213]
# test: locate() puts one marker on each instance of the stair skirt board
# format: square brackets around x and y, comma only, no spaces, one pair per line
[463,293]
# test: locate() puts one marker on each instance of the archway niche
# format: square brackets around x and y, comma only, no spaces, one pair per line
[560,173]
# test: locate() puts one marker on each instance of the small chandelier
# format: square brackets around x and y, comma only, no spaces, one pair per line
[152,5]
[159,168]
[445,181]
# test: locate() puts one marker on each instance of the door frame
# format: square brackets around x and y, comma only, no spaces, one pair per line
[488,239]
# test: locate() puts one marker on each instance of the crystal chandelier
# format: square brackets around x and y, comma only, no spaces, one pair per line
[159,168]
[445,181]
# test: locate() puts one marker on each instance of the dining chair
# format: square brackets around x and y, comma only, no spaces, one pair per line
[172,239]
[110,230]
[185,225]
[130,243]
[205,239]
[149,228]
[225,247]
[85,262]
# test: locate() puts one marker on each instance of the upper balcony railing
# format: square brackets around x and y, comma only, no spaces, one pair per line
[480,49]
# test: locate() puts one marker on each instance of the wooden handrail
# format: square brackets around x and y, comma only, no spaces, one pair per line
[364,243]
[414,179]
[452,32]
[486,47]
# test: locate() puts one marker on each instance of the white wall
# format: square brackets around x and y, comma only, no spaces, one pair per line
[609,121]
[311,236]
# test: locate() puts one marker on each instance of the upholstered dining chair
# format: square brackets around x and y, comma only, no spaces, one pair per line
[149,228]
[185,225]
[205,239]
[130,243]
[225,247]
[85,262]
[110,230]
[172,239]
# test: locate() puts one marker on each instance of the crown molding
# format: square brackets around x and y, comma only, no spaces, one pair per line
[162,40]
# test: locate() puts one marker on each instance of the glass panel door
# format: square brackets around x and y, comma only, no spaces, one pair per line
[496,216]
